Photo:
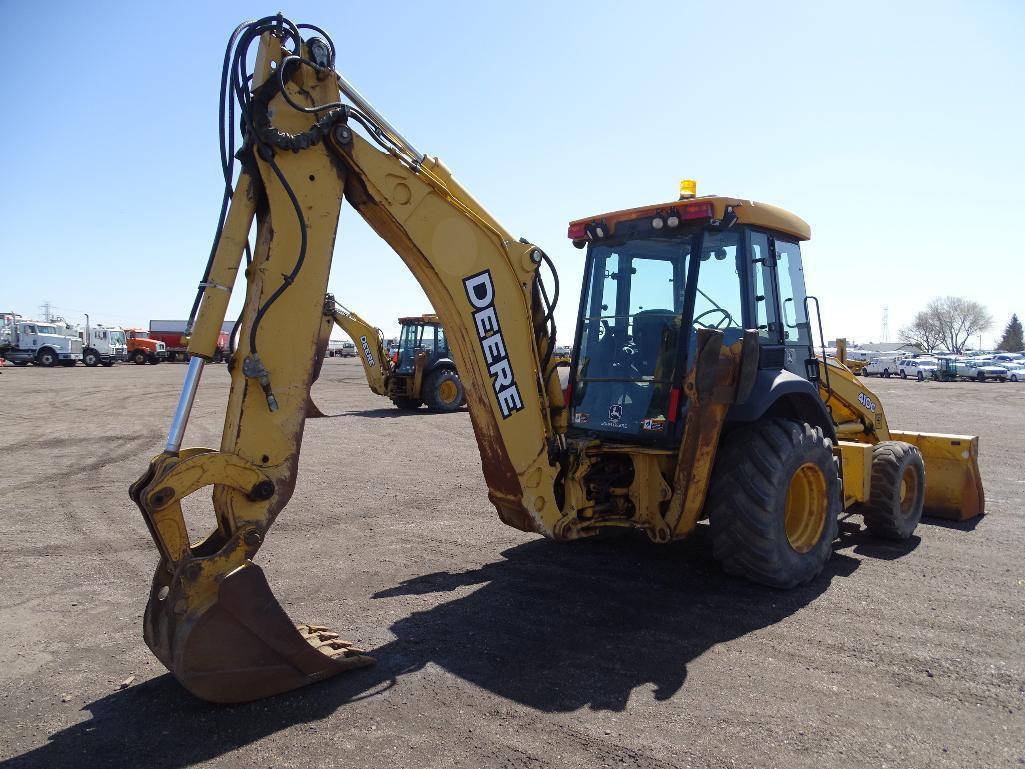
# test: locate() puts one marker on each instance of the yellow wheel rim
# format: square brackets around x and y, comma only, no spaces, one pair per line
[908,489]
[448,391]
[806,507]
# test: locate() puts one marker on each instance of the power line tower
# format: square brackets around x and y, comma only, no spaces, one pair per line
[45,307]
[886,323]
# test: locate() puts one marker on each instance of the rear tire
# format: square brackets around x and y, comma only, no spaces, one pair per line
[886,373]
[921,377]
[774,502]
[903,374]
[897,493]
[46,358]
[407,404]
[981,377]
[91,359]
[1014,377]
[443,391]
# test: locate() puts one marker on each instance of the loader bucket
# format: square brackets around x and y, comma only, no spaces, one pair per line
[953,485]
[230,641]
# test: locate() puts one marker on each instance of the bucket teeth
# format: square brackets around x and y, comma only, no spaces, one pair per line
[327,641]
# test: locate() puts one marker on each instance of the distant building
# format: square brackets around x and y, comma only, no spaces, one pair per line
[884,347]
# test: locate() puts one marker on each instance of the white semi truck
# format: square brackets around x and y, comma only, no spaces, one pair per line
[44,343]
[102,344]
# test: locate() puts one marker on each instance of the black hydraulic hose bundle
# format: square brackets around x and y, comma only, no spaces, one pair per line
[258,132]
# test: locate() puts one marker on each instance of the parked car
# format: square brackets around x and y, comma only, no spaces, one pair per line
[980,370]
[917,368]
[1010,357]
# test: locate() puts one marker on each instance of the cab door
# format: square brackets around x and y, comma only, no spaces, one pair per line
[791,293]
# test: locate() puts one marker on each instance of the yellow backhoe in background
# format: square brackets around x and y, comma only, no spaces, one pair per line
[422,370]
[694,391]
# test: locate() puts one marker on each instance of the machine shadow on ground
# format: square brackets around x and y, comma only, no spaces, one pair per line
[552,627]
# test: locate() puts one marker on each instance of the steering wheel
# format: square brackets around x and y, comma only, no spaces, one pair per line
[603,329]
[726,319]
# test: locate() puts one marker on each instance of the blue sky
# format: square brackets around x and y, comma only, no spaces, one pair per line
[895,129]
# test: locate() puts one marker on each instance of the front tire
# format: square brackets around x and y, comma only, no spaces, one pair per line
[139,358]
[46,358]
[903,374]
[897,493]
[774,502]
[443,391]
[921,377]
[886,373]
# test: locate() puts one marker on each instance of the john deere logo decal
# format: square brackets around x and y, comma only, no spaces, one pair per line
[615,412]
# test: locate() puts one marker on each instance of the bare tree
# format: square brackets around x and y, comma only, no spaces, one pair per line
[924,332]
[948,322]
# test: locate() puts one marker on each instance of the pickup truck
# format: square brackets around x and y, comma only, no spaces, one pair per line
[980,370]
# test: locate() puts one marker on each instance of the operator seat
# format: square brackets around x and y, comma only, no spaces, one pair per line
[649,337]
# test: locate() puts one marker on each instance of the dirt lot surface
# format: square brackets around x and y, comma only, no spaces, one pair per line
[495,648]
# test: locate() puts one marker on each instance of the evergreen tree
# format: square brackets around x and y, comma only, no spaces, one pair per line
[1012,340]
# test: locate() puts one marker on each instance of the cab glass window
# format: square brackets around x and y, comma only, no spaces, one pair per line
[718,302]
[790,273]
[630,334]
[764,298]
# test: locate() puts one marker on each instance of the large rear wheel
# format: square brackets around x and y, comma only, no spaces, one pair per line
[91,358]
[407,404]
[897,493]
[774,502]
[443,391]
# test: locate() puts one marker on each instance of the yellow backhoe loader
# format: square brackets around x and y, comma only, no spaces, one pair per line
[423,370]
[693,391]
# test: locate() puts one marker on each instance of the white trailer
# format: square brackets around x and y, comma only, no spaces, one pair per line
[43,343]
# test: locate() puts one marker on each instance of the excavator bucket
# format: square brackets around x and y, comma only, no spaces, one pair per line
[240,645]
[953,484]
[211,617]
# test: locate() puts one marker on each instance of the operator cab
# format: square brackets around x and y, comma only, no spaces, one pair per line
[420,334]
[655,274]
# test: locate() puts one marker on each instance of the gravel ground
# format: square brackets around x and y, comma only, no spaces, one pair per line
[495,648]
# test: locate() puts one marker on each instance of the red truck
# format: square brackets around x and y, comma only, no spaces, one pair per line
[172,334]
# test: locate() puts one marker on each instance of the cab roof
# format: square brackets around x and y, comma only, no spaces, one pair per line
[427,318]
[705,208]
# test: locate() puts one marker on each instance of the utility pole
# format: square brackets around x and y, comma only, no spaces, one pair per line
[45,307]
[886,323]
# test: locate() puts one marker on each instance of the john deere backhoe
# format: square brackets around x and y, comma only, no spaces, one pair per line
[423,371]
[693,391]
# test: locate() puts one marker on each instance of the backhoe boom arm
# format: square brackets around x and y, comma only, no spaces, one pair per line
[300,159]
